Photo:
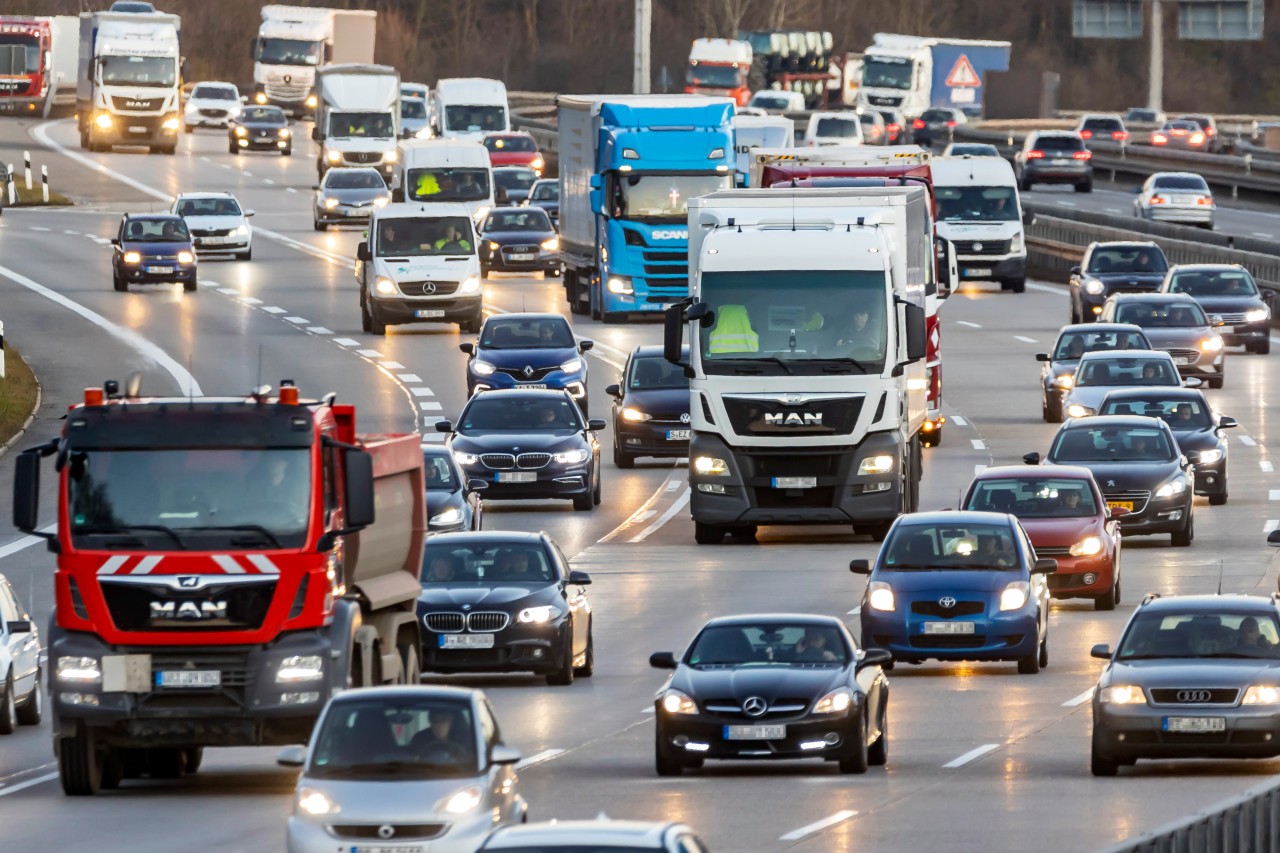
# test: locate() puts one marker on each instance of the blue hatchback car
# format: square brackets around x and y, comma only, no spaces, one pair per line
[153,248]
[958,586]
[528,351]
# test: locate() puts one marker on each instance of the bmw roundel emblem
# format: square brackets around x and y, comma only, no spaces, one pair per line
[386,831]
[466,607]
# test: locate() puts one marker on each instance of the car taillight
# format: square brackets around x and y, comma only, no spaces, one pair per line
[893,128]
[1157,199]
[1082,155]
[1210,130]
[1159,139]
[1196,138]
[951,124]
[1035,155]
[1119,135]
[918,124]
[1205,200]
[1086,134]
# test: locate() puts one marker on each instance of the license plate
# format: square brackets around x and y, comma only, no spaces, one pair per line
[976,273]
[1180,359]
[1120,505]
[138,128]
[1060,162]
[755,732]
[428,313]
[1195,725]
[541,385]
[948,627]
[414,849]
[517,476]
[677,435]
[795,482]
[263,139]
[522,256]
[189,678]
[466,641]
[160,270]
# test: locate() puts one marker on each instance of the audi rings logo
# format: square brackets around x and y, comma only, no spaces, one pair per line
[754,706]
[946,602]
[386,831]
[1192,696]
[684,418]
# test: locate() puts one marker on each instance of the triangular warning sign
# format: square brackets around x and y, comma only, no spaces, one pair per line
[962,74]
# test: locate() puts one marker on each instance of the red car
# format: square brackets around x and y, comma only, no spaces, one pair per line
[514,149]
[1066,517]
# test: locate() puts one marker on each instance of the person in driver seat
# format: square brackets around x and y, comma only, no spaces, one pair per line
[443,738]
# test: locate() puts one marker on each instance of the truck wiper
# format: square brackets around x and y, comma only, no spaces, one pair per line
[253,528]
[832,363]
[126,529]
[739,363]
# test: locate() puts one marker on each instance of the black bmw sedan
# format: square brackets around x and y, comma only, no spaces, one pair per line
[519,239]
[453,502]
[260,129]
[650,408]
[772,686]
[528,444]
[504,602]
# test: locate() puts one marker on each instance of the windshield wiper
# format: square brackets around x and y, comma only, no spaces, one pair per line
[252,528]
[126,529]
[832,364]
[748,363]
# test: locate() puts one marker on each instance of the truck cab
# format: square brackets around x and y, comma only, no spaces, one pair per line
[914,73]
[469,107]
[358,117]
[26,60]
[293,41]
[719,67]
[457,171]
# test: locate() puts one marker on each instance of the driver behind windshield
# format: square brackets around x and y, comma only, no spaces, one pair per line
[443,741]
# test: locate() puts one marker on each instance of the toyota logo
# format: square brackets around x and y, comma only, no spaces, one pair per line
[977,247]
[528,370]
[428,287]
[946,602]
[684,418]
[386,831]
[754,706]
[1194,696]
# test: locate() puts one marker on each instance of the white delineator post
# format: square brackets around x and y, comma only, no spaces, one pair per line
[44,183]
[26,163]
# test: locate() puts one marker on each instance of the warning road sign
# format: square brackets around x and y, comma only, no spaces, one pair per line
[962,74]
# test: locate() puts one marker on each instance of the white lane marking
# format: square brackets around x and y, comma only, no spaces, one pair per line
[1271,525]
[272,309]
[855,611]
[346,342]
[250,300]
[319,330]
[1248,440]
[72,233]
[228,291]
[406,377]
[1274,494]
[1260,234]
[538,758]
[431,407]
[393,365]
[1079,700]
[958,420]
[978,469]
[1025,339]
[819,825]
[978,444]
[40,228]
[290,190]
[645,515]
[186,382]
[1113,210]
[673,485]
[268,181]
[1266,466]
[246,173]
[679,504]
[299,320]
[25,542]
[648,710]
[970,756]
[967,323]
[1067,203]
[1046,288]
[421,392]
[369,353]
[30,783]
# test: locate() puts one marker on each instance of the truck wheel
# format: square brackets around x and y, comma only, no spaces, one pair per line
[1017,285]
[245,255]
[194,758]
[613,317]
[84,138]
[376,324]
[708,534]
[472,326]
[80,764]
[186,128]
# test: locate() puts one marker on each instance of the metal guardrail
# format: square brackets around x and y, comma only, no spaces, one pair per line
[1249,823]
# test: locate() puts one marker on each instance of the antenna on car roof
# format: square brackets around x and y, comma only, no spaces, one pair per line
[1221,564]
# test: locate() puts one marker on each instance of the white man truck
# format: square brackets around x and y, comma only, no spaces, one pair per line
[912,74]
[357,117]
[128,81]
[806,326]
[293,41]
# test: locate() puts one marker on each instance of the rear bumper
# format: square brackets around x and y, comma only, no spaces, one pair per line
[1077,172]
[1189,215]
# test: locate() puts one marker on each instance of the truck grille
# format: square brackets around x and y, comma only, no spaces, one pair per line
[362,157]
[13,87]
[139,607]
[988,247]
[234,668]
[285,93]
[136,105]
[820,416]
[427,288]
[883,101]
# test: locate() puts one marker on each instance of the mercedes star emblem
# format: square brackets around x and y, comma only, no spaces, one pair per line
[754,706]
[684,418]
[386,831]
[528,370]
[428,287]
[946,602]
[1194,695]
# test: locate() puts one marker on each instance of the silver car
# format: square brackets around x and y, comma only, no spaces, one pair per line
[1176,324]
[1098,373]
[348,195]
[597,836]
[402,769]
[21,702]
[1182,197]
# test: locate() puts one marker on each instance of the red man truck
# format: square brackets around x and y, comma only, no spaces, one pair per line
[221,572]
[26,58]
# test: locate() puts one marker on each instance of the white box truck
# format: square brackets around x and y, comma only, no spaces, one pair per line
[357,117]
[470,107]
[293,41]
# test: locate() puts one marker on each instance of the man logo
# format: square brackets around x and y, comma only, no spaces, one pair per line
[187,611]
[791,419]
[136,105]
[189,581]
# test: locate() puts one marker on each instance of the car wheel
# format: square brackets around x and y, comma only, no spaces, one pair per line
[1107,601]
[80,763]
[118,282]
[1025,185]
[366,322]
[484,271]
[664,762]
[584,502]
[1017,285]
[1262,347]
[31,711]
[932,439]
[1221,497]
[1086,187]
[622,458]
[1053,410]
[596,493]
[743,534]
[1030,665]
[246,255]
[1183,537]
[1044,649]
[878,752]
[472,326]
[859,761]
[376,324]
[1099,764]
[189,286]
[286,152]
[233,149]
[708,534]
[317,225]
[8,708]
[588,667]
[563,676]
[1215,381]
[879,529]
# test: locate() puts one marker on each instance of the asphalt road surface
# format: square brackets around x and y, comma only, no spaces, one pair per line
[981,758]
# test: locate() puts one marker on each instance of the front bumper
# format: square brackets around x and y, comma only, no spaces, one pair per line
[1211,479]
[1206,364]
[1247,333]
[263,143]
[198,120]
[405,310]
[520,647]
[232,244]
[135,130]
[344,213]
[554,481]
[651,439]
[138,274]
[982,267]
[1160,515]
[677,732]
[1068,581]
[310,835]
[1137,731]
[502,261]
[996,637]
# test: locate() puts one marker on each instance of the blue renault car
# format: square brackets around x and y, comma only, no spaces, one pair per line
[528,351]
[958,586]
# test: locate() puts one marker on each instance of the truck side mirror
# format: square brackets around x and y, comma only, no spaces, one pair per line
[597,201]
[673,334]
[595,182]
[359,488]
[26,492]
[362,251]
[315,133]
[914,332]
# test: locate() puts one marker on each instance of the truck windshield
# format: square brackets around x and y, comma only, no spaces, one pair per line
[371,125]
[151,71]
[810,322]
[288,52]
[715,76]
[467,117]
[244,498]
[19,54]
[977,204]
[662,197]
[447,184]
[436,235]
[882,72]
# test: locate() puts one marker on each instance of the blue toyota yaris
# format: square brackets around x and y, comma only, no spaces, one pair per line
[528,351]
[958,586]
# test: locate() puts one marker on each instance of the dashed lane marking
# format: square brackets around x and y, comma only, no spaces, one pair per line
[393,365]
[1274,494]
[978,444]
[1247,440]
[855,611]
[1079,700]
[1266,466]
[967,323]
[958,420]
[406,377]
[30,783]
[273,309]
[978,469]
[421,392]
[1025,339]
[971,755]
[369,353]
[301,321]
[319,330]
[819,825]
[1271,525]
[346,342]
[539,758]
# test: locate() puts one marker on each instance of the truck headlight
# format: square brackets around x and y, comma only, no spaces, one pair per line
[133,257]
[330,203]
[314,803]
[1014,596]
[462,802]
[538,615]
[470,285]
[835,702]
[1093,286]
[185,257]
[483,368]
[1123,694]
[572,457]
[241,132]
[711,466]
[452,515]
[385,286]
[300,668]
[880,596]
[261,98]
[1087,547]
[635,415]
[1176,486]
[1261,694]
[675,702]
[1256,315]
[551,245]
[81,669]
[1213,343]
[171,123]
[103,120]
[311,101]
[876,465]
[621,285]
[573,365]
[333,156]
[389,156]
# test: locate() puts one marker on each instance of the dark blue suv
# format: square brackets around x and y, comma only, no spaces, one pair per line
[528,351]
[153,248]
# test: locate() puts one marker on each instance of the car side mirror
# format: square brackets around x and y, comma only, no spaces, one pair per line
[444,426]
[315,186]
[475,485]
[1191,382]
[292,756]
[503,754]
[1227,423]
[468,347]
[1101,651]
[875,657]
[248,214]
[613,391]
[860,567]
[662,660]
[596,424]
[115,241]
[362,251]
[20,626]
[1273,538]
[586,345]
[1032,458]
[578,578]
[1044,566]
[1075,270]
[1043,356]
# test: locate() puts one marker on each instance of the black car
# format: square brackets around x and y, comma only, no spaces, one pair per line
[519,239]
[772,686]
[453,503]
[895,125]
[1195,425]
[504,602]
[1054,157]
[937,124]
[650,408]
[528,444]
[1058,372]
[545,193]
[1147,481]
[528,351]
[1229,295]
[511,184]
[260,128]
[153,248]
[1109,268]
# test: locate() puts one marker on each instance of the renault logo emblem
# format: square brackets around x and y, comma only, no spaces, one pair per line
[754,706]
[386,831]
[1194,696]
[946,602]
[684,418]
[528,370]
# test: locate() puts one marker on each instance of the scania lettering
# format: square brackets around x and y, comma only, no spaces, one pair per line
[293,41]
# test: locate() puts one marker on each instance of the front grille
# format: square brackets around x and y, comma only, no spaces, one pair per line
[445,623]
[731,709]
[285,93]
[988,247]
[1191,355]
[211,232]
[1133,287]
[241,607]
[519,250]
[213,113]
[774,417]
[883,101]
[960,608]
[1064,551]
[136,105]
[487,622]
[1137,497]
[532,460]
[948,641]
[362,157]
[427,288]
[399,831]
[1194,696]
[1230,319]
[234,668]
[498,461]
[666,264]
[537,374]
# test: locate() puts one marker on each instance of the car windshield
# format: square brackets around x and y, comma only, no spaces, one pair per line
[361,125]
[1107,372]
[1074,344]
[519,414]
[1166,315]
[19,54]
[277,51]
[1202,634]
[485,563]
[215,93]
[1180,182]
[836,127]
[514,179]
[445,184]
[527,219]
[262,115]
[413,108]
[977,204]
[1058,143]
[769,644]
[441,475]
[652,372]
[141,71]
[510,143]
[180,497]
[1034,497]
[470,118]
[1127,259]
[157,231]
[208,207]
[1233,282]
[770,102]
[661,198]
[974,150]
[354,179]
[715,76]
[1111,444]
[435,235]
[1179,413]
[526,333]
[961,546]
[882,72]
[545,191]
[396,738]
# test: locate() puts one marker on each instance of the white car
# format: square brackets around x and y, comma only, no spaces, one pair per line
[1182,197]
[777,101]
[21,702]
[211,105]
[598,836]
[217,223]
[833,128]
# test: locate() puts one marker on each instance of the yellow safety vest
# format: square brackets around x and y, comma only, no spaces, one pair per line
[733,332]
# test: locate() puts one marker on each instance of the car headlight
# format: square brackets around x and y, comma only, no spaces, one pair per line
[133,257]
[284,133]
[80,669]
[1017,244]
[538,615]
[300,668]
[483,368]
[880,596]
[711,466]
[635,415]
[103,120]
[465,459]
[241,132]
[572,365]
[1075,410]
[1209,457]
[242,231]
[185,257]
[1213,343]
[385,286]
[333,156]
[1014,596]
[1255,315]
[495,246]
[1087,547]
[261,99]
[311,100]
[1261,694]
[551,245]
[835,702]
[462,802]
[1066,380]
[330,203]
[315,803]
[675,702]
[1176,486]
[876,465]
[537,163]
[621,285]
[469,285]
[452,515]
[1093,286]
[389,156]
[1123,694]
[572,457]
[381,201]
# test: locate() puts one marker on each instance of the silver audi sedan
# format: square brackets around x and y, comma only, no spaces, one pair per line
[403,768]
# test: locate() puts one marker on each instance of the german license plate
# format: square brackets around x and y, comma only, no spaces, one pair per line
[263,139]
[466,641]
[213,241]
[948,627]
[971,272]
[1195,725]
[522,256]
[517,476]
[1061,162]
[755,732]
[160,270]
[1181,359]
[1120,505]
[414,849]
[677,435]
[542,385]
[795,482]
[137,128]
[428,313]
[189,678]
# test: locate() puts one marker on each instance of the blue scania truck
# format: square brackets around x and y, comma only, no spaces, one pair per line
[628,166]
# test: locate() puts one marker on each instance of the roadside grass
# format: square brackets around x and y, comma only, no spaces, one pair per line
[17,394]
